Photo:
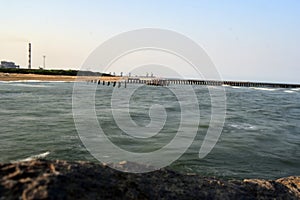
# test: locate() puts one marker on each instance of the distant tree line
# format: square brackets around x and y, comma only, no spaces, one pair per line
[53,72]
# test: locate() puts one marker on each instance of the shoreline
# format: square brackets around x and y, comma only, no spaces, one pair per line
[34,77]
[139,80]
[58,179]
[37,77]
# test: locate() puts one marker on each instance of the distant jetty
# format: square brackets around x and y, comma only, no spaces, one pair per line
[118,81]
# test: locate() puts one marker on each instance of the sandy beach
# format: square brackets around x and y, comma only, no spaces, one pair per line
[24,77]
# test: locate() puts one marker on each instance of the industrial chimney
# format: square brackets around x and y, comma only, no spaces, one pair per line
[29,56]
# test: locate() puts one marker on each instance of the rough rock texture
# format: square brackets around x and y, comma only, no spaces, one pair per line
[43,179]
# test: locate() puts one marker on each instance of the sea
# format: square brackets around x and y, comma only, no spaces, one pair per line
[260,137]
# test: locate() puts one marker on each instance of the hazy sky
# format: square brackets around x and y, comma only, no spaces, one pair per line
[247,40]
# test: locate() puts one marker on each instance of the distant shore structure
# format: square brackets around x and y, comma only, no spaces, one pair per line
[29,56]
[44,61]
[9,65]
[159,81]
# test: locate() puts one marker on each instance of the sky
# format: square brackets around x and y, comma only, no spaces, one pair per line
[252,40]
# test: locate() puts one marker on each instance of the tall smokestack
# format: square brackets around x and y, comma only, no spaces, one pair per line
[29,56]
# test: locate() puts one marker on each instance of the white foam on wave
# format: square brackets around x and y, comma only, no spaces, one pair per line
[243,126]
[60,81]
[296,89]
[34,157]
[235,87]
[213,87]
[265,89]
[289,91]
[24,81]
[30,85]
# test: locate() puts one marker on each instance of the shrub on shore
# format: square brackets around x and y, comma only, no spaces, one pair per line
[53,72]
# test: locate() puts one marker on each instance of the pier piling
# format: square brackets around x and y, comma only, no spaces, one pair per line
[166,82]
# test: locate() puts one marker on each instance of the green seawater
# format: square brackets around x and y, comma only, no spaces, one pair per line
[260,137]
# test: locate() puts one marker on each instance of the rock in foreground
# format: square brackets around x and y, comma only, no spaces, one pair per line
[43,179]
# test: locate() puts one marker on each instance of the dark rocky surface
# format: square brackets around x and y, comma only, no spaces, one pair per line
[44,179]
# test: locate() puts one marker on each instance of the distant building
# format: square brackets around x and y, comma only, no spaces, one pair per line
[11,65]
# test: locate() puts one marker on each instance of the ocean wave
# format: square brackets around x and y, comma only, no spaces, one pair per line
[30,85]
[236,87]
[34,157]
[23,81]
[243,126]
[296,89]
[265,89]
[289,91]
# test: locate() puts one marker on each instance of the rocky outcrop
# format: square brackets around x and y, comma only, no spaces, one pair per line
[43,179]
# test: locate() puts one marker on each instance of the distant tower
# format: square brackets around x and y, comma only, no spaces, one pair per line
[29,56]
[44,62]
